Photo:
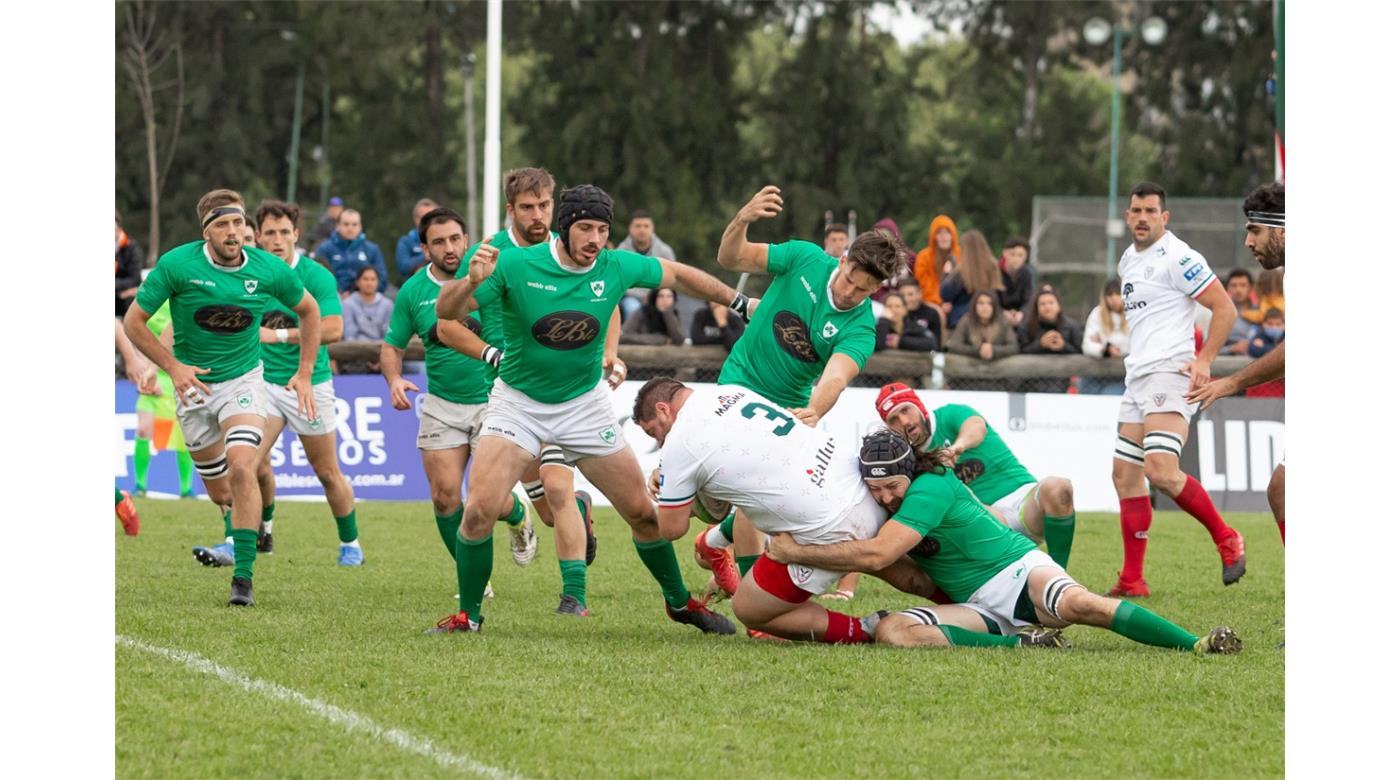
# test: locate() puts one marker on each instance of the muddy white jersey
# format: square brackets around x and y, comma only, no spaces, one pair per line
[1160,287]
[731,444]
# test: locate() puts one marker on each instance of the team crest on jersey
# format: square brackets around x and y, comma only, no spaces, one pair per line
[597,287]
[251,285]
[793,336]
[1159,398]
[608,434]
[804,573]
[245,401]
[828,330]
[1148,272]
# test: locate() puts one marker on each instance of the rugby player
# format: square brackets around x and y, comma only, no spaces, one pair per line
[1042,511]
[1263,234]
[218,289]
[155,418]
[816,325]
[549,481]
[141,374]
[451,411]
[555,297]
[732,444]
[278,234]
[1163,280]
[1002,584]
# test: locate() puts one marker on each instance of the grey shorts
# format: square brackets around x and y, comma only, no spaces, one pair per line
[445,425]
[283,403]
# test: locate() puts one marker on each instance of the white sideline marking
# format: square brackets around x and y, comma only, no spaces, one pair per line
[351,721]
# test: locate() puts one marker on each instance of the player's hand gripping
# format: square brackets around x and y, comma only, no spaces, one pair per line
[1212,391]
[654,484]
[398,393]
[768,203]
[806,415]
[1199,371]
[780,546]
[616,371]
[188,388]
[306,400]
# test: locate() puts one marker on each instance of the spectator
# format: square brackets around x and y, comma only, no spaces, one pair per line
[715,324]
[1270,291]
[925,316]
[977,272]
[933,260]
[128,270]
[836,240]
[325,226]
[1106,335]
[655,323]
[367,310]
[1240,286]
[897,330]
[983,333]
[1266,335]
[408,255]
[642,239]
[1016,279]
[1049,330]
[906,268]
[349,250]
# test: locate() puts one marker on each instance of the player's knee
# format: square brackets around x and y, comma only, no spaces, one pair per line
[1275,493]
[1163,473]
[1058,495]
[445,499]
[328,474]
[1081,607]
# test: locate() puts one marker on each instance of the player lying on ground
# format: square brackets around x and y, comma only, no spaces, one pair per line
[733,445]
[1002,582]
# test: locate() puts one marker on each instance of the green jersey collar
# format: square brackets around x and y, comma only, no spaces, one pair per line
[228,269]
[554,252]
[428,271]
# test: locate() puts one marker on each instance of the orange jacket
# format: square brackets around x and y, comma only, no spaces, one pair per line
[925,269]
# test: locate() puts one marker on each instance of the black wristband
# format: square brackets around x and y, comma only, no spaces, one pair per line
[492,355]
[740,306]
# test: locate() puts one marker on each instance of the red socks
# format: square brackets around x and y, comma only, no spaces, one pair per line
[844,630]
[1280,530]
[1135,515]
[1196,502]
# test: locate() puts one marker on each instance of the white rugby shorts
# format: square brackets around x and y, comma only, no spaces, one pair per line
[201,417]
[283,403]
[1161,392]
[583,427]
[445,425]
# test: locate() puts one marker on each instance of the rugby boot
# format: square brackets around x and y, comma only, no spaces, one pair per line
[1220,641]
[570,605]
[585,508]
[456,622]
[721,562]
[1231,559]
[126,512]
[241,593]
[698,615]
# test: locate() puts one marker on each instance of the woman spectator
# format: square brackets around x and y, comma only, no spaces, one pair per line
[897,330]
[1270,290]
[715,324]
[1048,330]
[656,322]
[935,259]
[983,333]
[977,272]
[367,311]
[1106,335]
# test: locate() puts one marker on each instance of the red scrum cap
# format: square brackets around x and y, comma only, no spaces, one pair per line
[893,395]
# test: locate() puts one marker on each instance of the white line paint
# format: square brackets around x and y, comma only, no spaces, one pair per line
[350,721]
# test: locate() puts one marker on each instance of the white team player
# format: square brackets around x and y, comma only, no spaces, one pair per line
[1163,280]
[729,444]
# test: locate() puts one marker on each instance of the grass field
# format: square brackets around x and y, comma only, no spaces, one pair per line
[627,693]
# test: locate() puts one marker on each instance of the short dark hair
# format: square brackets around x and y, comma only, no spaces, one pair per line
[1273,314]
[438,216]
[1016,241]
[639,214]
[833,228]
[1266,197]
[1236,273]
[366,270]
[877,253]
[214,199]
[276,208]
[909,282]
[656,390]
[522,180]
[1144,188]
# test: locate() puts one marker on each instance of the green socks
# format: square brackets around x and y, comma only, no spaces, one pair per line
[268,511]
[1059,537]
[474,559]
[245,550]
[575,577]
[745,563]
[517,512]
[447,529]
[727,527]
[660,559]
[961,637]
[228,523]
[119,495]
[186,466]
[143,462]
[1149,628]
[346,528]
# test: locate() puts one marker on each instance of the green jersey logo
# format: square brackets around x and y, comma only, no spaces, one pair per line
[597,286]
[608,434]
[828,330]
[250,285]
[245,401]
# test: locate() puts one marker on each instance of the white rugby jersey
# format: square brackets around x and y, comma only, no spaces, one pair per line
[1160,287]
[735,445]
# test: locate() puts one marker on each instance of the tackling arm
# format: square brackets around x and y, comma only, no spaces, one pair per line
[839,372]
[971,434]
[868,555]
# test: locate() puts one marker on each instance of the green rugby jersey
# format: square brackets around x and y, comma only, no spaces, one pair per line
[797,328]
[214,309]
[556,318]
[492,324]
[280,361]
[964,545]
[990,470]
[452,376]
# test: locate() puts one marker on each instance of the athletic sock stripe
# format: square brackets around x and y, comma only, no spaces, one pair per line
[1164,435]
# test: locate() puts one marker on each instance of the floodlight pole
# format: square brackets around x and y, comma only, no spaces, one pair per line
[491,173]
[1110,262]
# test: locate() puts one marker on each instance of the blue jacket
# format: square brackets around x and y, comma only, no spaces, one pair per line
[346,258]
[1260,344]
[408,256]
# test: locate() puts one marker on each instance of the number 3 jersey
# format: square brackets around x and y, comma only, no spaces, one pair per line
[735,445]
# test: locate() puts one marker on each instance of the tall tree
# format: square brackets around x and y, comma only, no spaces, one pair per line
[148,47]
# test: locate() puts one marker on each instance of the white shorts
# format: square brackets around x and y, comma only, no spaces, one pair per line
[1157,393]
[201,420]
[583,427]
[863,522]
[283,403]
[445,425]
[1013,507]
[996,599]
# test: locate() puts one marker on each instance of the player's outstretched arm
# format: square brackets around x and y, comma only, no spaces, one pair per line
[1265,369]
[736,252]
[839,372]
[869,555]
[699,284]
[971,434]
[459,337]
